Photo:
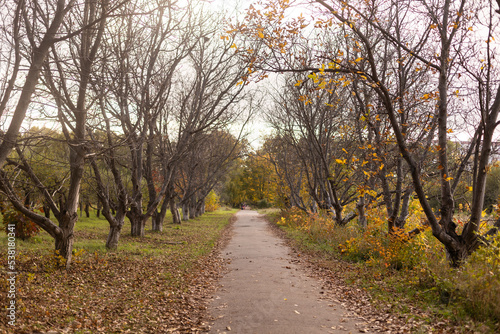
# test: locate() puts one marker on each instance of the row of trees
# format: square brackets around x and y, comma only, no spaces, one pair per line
[381,101]
[140,95]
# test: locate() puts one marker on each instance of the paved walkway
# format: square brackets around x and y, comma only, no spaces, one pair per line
[265,292]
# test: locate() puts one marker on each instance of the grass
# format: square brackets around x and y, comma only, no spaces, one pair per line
[147,285]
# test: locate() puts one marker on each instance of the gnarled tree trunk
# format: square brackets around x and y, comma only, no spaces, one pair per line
[176,217]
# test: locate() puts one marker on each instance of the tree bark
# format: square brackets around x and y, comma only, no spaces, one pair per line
[159,217]
[114,236]
[99,207]
[176,217]
[64,240]
[185,212]
[46,211]
[137,223]
[87,210]
[360,206]
[192,211]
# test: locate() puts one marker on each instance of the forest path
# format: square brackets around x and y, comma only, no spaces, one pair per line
[265,291]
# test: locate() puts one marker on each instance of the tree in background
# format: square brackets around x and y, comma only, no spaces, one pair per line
[254,181]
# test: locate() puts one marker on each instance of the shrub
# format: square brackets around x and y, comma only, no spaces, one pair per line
[382,249]
[479,280]
[262,204]
[24,227]
[212,202]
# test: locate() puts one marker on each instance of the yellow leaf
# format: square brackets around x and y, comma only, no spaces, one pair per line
[298,83]
[261,35]
[233,46]
[433,26]
[332,65]
[469,188]
[359,59]
[340,161]
[470,29]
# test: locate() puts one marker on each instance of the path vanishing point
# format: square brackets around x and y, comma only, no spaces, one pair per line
[264,291]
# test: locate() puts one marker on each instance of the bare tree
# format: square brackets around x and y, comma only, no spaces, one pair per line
[314,122]
[27,43]
[204,168]
[67,78]
[172,80]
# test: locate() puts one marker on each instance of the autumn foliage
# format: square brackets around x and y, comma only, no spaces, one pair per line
[24,227]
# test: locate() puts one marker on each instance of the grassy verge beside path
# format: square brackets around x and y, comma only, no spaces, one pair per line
[149,285]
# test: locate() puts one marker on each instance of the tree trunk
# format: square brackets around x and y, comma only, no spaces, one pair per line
[360,206]
[176,218]
[192,211]
[99,207]
[457,255]
[156,222]
[200,208]
[159,217]
[401,221]
[314,206]
[137,223]
[137,228]
[46,211]
[64,240]
[185,212]
[87,208]
[114,236]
